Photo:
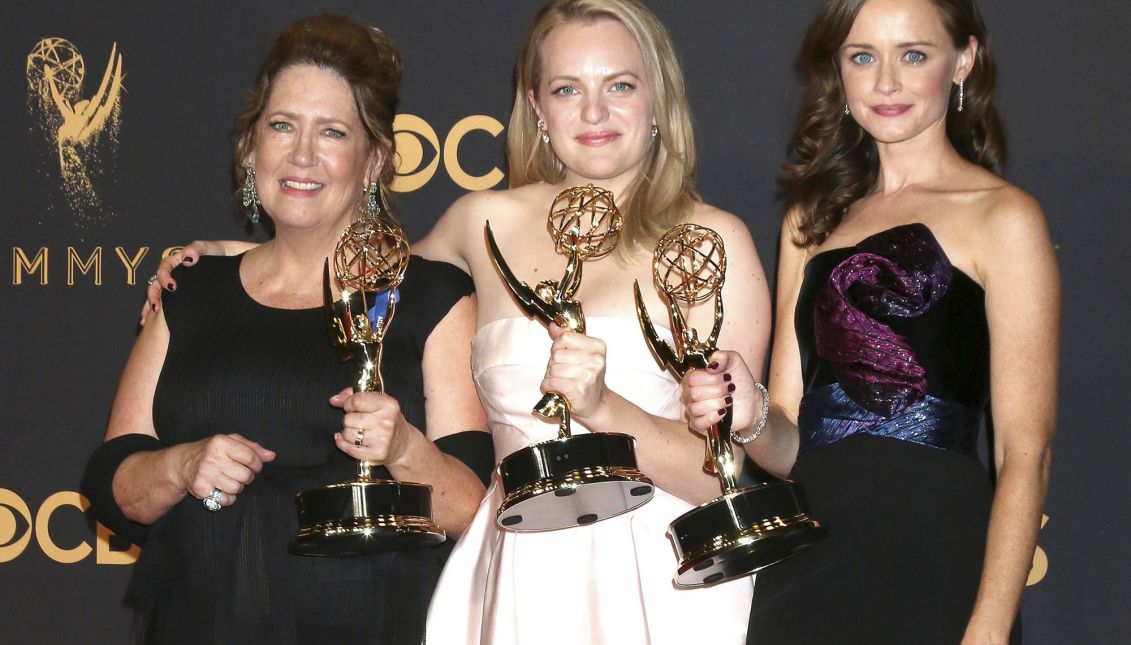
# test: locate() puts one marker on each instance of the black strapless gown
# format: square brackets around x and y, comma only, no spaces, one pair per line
[895,359]
[234,365]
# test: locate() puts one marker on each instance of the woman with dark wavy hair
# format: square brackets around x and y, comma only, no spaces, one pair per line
[912,282]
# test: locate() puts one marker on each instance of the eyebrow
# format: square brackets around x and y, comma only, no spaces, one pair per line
[323,120]
[914,43]
[570,77]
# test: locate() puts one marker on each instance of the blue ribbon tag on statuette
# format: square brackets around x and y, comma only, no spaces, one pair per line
[380,307]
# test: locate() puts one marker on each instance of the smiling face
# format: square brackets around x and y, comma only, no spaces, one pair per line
[596,102]
[898,64]
[312,156]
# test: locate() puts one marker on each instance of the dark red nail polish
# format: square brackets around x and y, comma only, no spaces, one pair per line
[713,366]
[726,376]
[730,388]
[729,401]
[722,413]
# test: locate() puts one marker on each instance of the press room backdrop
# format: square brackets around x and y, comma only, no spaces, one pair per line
[134,157]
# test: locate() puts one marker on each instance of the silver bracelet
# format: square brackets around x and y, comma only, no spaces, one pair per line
[761,425]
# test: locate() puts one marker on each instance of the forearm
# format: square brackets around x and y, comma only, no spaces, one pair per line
[456,490]
[667,451]
[775,449]
[1014,525]
[147,484]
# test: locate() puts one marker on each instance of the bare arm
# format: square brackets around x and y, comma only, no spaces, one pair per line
[148,484]
[1023,308]
[667,449]
[452,406]
[449,238]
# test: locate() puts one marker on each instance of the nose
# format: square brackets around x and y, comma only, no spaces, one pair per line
[594,110]
[302,147]
[887,80]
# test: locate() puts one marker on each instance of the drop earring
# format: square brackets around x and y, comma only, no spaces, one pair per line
[248,196]
[542,129]
[961,94]
[846,111]
[371,208]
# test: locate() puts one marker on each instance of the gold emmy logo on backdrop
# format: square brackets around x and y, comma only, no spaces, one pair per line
[83,131]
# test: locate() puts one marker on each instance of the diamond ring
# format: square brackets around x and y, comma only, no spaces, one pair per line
[212,502]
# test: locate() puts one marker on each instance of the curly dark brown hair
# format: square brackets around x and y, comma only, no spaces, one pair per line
[832,161]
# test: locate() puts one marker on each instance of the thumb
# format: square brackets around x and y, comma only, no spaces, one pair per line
[721,361]
[339,399]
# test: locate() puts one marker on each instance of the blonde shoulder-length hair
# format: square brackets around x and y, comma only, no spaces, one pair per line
[664,194]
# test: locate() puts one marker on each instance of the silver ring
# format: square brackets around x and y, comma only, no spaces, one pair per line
[212,502]
[359,437]
[152,279]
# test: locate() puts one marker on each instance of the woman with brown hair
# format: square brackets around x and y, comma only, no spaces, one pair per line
[913,281]
[222,415]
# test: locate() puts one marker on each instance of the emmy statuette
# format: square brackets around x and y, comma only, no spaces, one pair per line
[365,515]
[744,529]
[572,480]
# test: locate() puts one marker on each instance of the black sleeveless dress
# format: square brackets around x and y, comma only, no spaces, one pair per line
[895,360]
[235,366]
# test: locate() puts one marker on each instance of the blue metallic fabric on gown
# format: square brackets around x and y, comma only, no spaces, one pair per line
[829,414]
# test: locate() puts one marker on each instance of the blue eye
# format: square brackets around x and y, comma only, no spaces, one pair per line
[915,57]
[566,90]
[280,126]
[623,86]
[335,134]
[863,58]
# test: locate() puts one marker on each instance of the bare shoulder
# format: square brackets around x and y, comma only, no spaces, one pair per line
[463,221]
[735,233]
[1012,234]
[1007,217]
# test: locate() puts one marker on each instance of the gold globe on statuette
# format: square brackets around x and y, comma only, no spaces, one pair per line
[745,529]
[572,480]
[365,515]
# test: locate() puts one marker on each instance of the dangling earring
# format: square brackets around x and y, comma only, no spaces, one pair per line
[961,93]
[248,196]
[846,111]
[655,131]
[542,129]
[370,208]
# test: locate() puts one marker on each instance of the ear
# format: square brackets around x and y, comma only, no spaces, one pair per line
[966,57]
[373,166]
[534,104]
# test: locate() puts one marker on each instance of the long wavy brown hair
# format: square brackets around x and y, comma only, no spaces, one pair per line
[832,161]
[364,56]
[664,194]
